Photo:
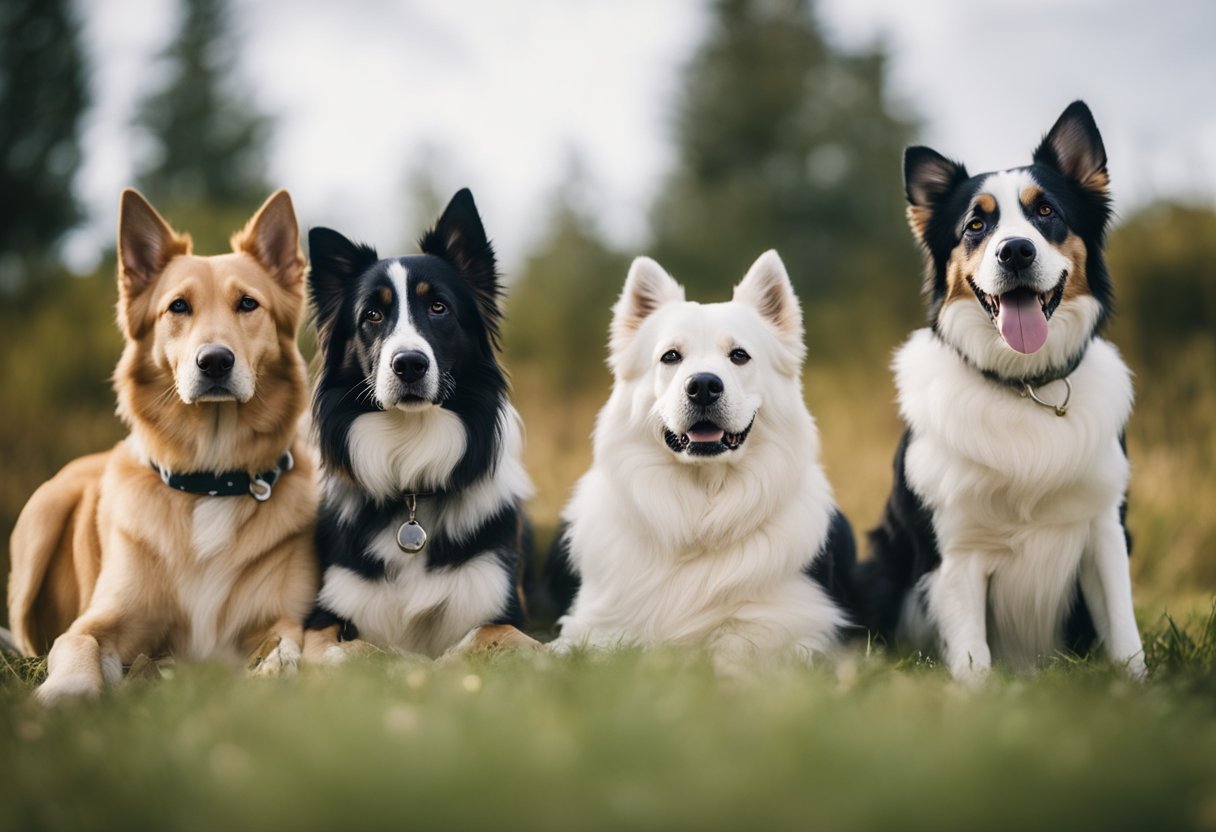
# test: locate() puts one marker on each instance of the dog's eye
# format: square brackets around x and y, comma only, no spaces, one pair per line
[976,225]
[438,309]
[671,357]
[739,356]
[373,316]
[1045,210]
[247,304]
[180,307]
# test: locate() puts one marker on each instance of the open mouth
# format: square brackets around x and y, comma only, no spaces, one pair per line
[1021,315]
[706,439]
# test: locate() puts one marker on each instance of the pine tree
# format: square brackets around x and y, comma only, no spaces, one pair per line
[210,141]
[558,310]
[785,142]
[42,97]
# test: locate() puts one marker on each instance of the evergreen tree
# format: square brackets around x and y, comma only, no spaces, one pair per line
[558,310]
[42,97]
[210,141]
[785,142]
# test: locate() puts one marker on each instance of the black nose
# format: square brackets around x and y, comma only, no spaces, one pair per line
[703,388]
[1015,253]
[411,365]
[215,361]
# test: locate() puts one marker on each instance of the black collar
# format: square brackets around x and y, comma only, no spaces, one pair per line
[1054,374]
[229,483]
[1019,384]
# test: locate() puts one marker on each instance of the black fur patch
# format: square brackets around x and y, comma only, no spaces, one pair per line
[1070,168]
[457,271]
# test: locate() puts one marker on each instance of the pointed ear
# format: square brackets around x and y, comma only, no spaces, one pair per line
[146,244]
[929,180]
[272,237]
[647,288]
[766,287]
[460,239]
[1074,147]
[335,262]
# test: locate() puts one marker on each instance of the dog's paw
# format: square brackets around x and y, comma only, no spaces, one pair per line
[276,656]
[972,668]
[493,638]
[337,652]
[63,687]
[1135,667]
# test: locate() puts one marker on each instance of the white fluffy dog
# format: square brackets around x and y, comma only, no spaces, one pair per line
[705,517]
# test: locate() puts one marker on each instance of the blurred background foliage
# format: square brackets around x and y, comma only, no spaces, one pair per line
[781,139]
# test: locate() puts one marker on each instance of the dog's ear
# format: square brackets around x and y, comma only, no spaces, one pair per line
[146,244]
[929,180]
[335,262]
[272,237]
[766,287]
[1074,147]
[460,239]
[647,288]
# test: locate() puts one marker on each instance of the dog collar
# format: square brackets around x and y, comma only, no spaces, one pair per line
[1026,387]
[229,483]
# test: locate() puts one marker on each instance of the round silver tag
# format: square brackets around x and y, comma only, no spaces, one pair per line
[411,537]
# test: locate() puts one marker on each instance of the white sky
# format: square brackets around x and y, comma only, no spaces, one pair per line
[502,94]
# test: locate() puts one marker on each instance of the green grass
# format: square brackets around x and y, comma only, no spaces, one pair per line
[628,740]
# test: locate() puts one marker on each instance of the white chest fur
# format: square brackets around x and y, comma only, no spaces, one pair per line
[1013,484]
[668,553]
[415,609]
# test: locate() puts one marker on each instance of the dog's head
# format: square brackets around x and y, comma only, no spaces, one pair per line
[212,328]
[410,327]
[1015,275]
[699,374]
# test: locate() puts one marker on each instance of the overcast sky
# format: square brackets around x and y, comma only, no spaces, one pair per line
[503,93]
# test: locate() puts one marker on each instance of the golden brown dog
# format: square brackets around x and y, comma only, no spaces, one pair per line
[128,551]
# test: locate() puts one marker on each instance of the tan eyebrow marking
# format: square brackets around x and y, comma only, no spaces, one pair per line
[986,203]
[422,288]
[386,295]
[1030,195]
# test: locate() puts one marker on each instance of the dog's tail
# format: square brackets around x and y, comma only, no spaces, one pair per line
[56,554]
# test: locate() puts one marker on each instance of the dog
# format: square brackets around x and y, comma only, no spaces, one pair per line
[1003,537]
[421,518]
[192,536]
[705,518]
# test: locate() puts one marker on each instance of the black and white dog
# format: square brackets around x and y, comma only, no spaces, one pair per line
[420,527]
[1003,537]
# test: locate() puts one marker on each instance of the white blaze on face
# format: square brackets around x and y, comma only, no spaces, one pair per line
[405,337]
[1021,318]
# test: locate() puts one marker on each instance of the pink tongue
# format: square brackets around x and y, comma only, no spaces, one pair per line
[1021,321]
[705,435]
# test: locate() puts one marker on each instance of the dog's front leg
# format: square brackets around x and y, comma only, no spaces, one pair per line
[89,656]
[1106,586]
[958,598]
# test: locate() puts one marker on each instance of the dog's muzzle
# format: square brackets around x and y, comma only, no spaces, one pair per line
[706,438]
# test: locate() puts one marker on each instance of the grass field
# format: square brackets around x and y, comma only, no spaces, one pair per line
[654,741]
[627,740]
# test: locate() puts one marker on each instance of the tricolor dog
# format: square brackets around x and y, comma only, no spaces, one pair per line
[193,536]
[421,521]
[705,518]
[1003,538]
